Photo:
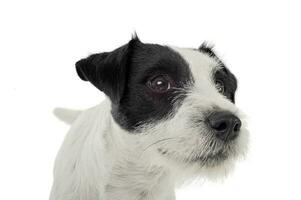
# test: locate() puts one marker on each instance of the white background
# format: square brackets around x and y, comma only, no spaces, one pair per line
[41,40]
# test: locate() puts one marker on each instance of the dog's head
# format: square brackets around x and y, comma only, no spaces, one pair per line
[181,101]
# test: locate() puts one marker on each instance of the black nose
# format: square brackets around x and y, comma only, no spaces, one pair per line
[225,125]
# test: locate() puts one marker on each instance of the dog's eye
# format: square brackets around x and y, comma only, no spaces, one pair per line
[220,86]
[159,84]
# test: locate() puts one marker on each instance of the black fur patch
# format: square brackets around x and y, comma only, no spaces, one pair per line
[123,74]
[229,81]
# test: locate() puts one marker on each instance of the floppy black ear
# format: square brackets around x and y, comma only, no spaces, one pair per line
[107,71]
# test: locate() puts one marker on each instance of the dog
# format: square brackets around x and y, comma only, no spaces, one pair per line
[169,117]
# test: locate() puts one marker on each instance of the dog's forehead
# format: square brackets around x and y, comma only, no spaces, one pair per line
[201,64]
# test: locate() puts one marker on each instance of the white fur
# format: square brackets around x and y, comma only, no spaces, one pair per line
[101,161]
[66,115]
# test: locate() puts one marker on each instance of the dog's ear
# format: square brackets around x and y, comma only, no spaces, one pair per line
[108,71]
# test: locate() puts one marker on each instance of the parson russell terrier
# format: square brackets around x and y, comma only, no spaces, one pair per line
[169,117]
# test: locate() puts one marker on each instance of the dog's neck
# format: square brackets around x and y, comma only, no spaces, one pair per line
[131,176]
[133,181]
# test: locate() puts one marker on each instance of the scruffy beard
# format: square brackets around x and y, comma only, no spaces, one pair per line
[217,153]
[212,161]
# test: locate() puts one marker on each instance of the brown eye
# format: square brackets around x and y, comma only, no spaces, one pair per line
[220,86]
[159,84]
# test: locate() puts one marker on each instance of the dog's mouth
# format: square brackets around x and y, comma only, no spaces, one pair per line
[211,159]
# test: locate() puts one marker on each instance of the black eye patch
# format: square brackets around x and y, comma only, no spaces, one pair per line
[228,79]
[141,103]
[222,75]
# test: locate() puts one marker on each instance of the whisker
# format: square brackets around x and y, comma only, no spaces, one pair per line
[159,141]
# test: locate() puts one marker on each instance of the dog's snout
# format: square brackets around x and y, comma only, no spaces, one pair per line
[225,125]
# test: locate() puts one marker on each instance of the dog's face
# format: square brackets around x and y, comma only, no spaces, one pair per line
[180,101]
